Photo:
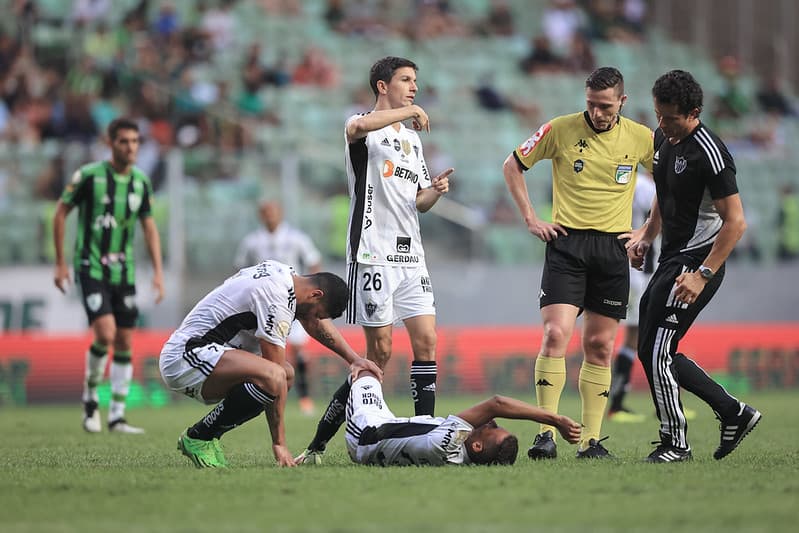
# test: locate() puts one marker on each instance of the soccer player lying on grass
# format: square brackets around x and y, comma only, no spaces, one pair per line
[376,437]
[231,347]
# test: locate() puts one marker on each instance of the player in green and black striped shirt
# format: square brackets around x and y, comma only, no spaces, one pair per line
[110,196]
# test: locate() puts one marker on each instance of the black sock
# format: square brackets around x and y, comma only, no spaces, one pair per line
[696,381]
[301,375]
[242,403]
[335,415]
[622,369]
[423,387]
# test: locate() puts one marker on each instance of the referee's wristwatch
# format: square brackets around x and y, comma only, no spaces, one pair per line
[706,272]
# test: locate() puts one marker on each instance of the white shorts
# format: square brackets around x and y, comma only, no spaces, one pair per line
[638,282]
[382,295]
[297,335]
[185,371]
[365,407]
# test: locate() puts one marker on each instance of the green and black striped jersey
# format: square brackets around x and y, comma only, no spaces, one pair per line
[108,206]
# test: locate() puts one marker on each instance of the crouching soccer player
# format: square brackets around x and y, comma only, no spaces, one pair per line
[376,437]
[231,347]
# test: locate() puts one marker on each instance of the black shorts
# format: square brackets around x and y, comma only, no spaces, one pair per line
[588,269]
[101,298]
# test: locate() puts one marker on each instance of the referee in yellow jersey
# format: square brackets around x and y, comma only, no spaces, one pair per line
[595,155]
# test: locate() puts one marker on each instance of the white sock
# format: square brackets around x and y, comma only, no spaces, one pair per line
[121,374]
[94,371]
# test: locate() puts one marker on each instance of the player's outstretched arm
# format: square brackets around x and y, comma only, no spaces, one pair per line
[329,336]
[358,128]
[504,407]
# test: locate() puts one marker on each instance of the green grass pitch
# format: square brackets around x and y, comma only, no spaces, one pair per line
[54,477]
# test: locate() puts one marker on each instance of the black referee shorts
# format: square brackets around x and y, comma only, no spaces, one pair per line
[588,269]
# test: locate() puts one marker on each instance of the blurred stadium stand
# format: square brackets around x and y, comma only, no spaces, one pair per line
[293,145]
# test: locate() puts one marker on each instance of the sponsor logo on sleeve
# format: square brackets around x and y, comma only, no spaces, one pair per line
[527,147]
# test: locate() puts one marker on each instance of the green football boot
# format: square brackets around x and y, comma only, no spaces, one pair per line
[203,453]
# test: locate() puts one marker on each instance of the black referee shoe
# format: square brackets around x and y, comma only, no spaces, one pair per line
[735,429]
[666,453]
[595,450]
[543,447]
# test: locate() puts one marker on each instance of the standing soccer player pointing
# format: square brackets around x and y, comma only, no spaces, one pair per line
[389,184]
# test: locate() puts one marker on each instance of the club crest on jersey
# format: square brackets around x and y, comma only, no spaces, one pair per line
[134,201]
[94,301]
[397,145]
[371,307]
[624,173]
[679,164]
[579,166]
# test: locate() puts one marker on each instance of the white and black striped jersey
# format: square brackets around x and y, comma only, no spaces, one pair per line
[689,175]
[257,302]
[419,440]
[286,245]
[385,170]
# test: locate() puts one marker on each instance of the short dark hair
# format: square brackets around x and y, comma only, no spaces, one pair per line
[121,124]
[384,69]
[503,453]
[335,292]
[678,87]
[605,78]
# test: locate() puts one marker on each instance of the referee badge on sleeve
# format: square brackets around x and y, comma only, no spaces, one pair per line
[623,174]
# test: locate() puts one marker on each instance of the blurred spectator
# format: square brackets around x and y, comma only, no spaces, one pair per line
[255,74]
[788,224]
[315,68]
[432,19]
[731,103]
[773,100]
[609,22]
[84,78]
[561,21]
[541,59]
[220,24]
[490,99]
[166,23]
[580,58]
[360,17]
[101,45]
[49,183]
[87,12]
[281,7]
[634,16]
[499,21]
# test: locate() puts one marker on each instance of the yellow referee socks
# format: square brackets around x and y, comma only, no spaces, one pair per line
[550,378]
[594,385]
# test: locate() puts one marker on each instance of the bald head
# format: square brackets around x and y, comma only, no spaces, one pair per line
[271,214]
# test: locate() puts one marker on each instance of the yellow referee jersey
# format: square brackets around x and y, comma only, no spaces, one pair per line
[593,173]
